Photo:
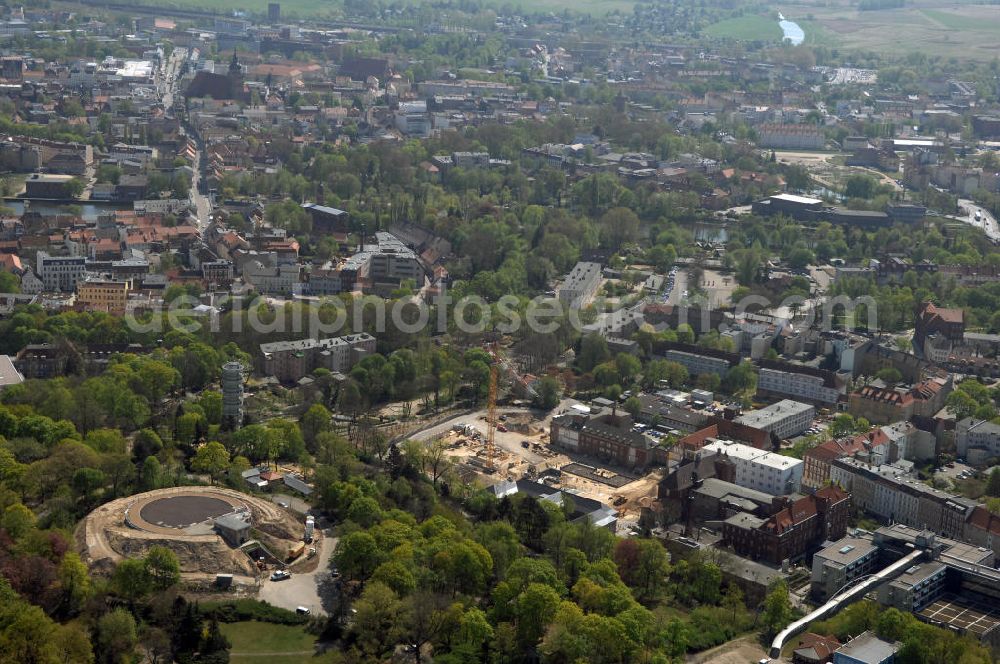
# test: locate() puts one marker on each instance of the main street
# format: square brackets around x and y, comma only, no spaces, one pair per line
[170,72]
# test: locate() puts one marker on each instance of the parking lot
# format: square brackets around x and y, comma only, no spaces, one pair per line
[955,471]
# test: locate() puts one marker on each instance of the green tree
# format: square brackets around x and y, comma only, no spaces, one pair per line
[116,636]
[151,474]
[164,570]
[633,407]
[18,521]
[314,421]
[131,579]
[593,351]
[74,582]
[357,555]
[777,610]
[993,485]
[377,619]
[211,458]
[547,393]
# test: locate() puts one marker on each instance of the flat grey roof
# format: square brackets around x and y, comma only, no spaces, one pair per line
[868,648]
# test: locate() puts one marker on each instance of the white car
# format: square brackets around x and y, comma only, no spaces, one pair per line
[280,575]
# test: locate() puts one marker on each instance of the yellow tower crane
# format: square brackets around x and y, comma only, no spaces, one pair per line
[491,420]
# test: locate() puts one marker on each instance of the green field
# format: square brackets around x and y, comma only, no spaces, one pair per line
[959,22]
[747,28]
[276,644]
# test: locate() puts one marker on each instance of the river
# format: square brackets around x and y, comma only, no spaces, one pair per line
[89,211]
[793,33]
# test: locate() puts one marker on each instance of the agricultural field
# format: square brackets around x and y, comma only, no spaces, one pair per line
[946,29]
[747,28]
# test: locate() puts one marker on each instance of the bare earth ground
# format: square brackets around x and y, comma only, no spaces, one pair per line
[744,650]
[514,460]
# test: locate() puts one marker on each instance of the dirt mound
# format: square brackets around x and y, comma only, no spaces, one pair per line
[107,535]
[199,553]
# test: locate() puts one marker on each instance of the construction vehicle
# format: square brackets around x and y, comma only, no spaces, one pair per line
[295,551]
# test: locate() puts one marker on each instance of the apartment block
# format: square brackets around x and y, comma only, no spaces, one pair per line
[606,437]
[812,386]
[289,361]
[102,294]
[60,273]
[580,285]
[892,496]
[977,441]
[784,419]
[699,363]
[790,136]
[759,469]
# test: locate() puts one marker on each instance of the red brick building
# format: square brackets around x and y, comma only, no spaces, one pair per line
[719,428]
[795,530]
[608,437]
[817,459]
[931,319]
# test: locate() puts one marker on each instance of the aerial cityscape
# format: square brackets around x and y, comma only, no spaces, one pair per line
[469,331]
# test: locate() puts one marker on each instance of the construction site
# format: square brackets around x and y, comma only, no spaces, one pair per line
[212,530]
[511,443]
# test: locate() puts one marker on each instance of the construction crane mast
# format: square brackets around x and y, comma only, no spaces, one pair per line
[491,421]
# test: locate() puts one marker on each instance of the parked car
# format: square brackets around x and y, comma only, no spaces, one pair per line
[280,575]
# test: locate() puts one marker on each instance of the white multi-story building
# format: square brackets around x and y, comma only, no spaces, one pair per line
[889,493]
[784,419]
[802,386]
[60,273]
[412,118]
[759,469]
[581,285]
[977,441]
[698,364]
[279,279]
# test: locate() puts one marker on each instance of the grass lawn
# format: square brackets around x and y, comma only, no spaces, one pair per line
[747,28]
[251,640]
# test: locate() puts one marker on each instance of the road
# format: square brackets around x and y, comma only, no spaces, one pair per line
[302,589]
[170,71]
[987,223]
